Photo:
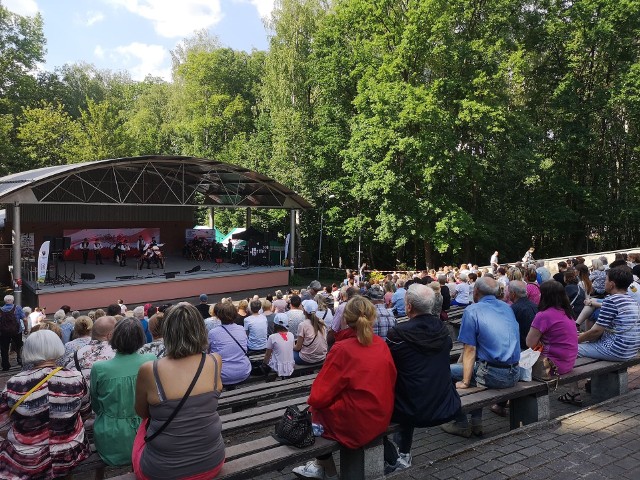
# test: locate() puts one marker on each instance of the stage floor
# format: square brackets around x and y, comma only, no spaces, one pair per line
[134,286]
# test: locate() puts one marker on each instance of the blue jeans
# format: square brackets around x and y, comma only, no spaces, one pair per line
[591,350]
[298,360]
[487,376]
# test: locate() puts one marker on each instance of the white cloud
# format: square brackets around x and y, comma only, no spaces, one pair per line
[175,18]
[98,52]
[92,18]
[141,59]
[22,7]
[264,7]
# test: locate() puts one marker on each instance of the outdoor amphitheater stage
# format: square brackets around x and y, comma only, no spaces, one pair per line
[148,285]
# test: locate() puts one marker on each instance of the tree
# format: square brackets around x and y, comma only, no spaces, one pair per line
[48,136]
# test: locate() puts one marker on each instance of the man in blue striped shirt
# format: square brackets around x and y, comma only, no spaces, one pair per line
[616,334]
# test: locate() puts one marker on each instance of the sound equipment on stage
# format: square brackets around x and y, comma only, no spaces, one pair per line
[87,276]
[169,275]
[197,268]
[126,277]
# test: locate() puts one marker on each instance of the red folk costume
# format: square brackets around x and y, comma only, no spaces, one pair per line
[352,396]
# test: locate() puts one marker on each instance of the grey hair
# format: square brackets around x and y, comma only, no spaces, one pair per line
[540,263]
[59,316]
[41,346]
[518,288]
[400,283]
[26,310]
[138,312]
[487,286]
[421,298]
[75,314]
[464,277]
[596,263]
[604,260]
[8,299]
[442,279]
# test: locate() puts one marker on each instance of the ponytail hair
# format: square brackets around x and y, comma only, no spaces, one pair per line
[317,324]
[359,314]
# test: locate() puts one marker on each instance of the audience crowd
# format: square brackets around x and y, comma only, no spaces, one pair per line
[149,379]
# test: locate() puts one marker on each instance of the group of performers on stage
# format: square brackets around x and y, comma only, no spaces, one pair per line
[200,248]
[148,252]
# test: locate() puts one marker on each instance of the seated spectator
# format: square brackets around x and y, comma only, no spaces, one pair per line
[424,394]
[616,334]
[212,321]
[190,445]
[311,340]
[461,295]
[554,327]
[243,307]
[203,307]
[583,279]
[533,289]
[256,326]
[230,342]
[523,309]
[514,273]
[384,317]
[279,353]
[598,277]
[295,313]
[446,294]
[267,311]
[324,311]
[66,327]
[138,314]
[156,347]
[279,304]
[113,387]
[543,273]
[575,292]
[491,352]
[352,396]
[397,299]
[388,293]
[98,349]
[559,277]
[82,336]
[438,299]
[46,437]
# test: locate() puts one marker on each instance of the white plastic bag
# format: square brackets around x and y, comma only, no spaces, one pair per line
[527,359]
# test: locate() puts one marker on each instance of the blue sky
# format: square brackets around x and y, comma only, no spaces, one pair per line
[137,35]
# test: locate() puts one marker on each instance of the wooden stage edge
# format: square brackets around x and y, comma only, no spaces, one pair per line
[153,290]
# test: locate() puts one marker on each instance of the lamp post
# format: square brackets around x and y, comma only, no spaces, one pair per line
[320,241]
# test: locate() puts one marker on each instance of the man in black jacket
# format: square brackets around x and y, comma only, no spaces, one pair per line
[424,393]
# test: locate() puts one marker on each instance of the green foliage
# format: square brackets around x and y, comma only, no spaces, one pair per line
[426,131]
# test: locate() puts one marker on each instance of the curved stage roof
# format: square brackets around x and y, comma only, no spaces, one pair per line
[151,181]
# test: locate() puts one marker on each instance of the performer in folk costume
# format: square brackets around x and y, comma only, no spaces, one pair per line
[141,245]
[124,251]
[97,251]
[84,246]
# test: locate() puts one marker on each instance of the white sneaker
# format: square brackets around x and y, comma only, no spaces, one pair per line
[310,470]
[404,461]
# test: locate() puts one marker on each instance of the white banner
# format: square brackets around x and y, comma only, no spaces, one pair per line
[286,246]
[43,261]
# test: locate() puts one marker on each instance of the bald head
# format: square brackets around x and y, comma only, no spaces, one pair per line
[485,286]
[103,328]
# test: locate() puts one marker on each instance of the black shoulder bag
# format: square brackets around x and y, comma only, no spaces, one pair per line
[148,438]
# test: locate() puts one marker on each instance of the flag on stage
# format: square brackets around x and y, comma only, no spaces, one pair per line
[43,261]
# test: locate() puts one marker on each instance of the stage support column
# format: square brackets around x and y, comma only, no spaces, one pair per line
[248,221]
[212,218]
[292,242]
[17,255]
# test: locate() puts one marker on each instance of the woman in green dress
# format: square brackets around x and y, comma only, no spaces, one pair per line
[113,391]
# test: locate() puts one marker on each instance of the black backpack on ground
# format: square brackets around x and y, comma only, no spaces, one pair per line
[8,322]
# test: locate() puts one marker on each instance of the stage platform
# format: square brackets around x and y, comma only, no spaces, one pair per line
[136,287]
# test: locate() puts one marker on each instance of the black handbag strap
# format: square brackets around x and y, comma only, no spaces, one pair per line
[184,399]
[234,339]
[75,360]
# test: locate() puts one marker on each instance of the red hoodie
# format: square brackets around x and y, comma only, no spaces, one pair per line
[352,396]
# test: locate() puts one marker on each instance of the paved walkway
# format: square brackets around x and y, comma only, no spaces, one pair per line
[600,442]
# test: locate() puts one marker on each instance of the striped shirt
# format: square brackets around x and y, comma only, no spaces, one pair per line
[620,316]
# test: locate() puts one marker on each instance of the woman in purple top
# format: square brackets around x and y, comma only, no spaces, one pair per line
[230,342]
[554,327]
